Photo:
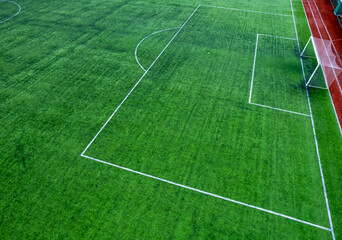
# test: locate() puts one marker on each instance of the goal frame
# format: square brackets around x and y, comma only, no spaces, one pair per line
[316,57]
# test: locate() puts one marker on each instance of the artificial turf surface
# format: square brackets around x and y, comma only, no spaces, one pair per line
[66,65]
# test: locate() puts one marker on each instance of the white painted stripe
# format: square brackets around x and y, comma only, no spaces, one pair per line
[338,122]
[314,132]
[252,81]
[267,35]
[332,41]
[139,81]
[246,10]
[180,185]
[255,54]
[207,193]
[304,56]
[317,87]
[19,10]
[136,49]
[279,109]
[332,102]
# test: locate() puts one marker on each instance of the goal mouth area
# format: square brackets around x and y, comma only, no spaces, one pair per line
[327,59]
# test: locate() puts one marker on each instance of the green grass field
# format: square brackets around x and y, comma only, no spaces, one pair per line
[206,115]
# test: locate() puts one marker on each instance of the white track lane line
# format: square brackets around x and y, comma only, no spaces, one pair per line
[325,27]
[338,122]
[180,185]
[325,47]
[314,133]
[326,83]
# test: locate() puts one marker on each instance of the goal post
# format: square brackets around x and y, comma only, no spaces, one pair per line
[327,59]
[308,56]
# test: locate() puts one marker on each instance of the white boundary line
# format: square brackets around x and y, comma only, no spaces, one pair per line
[136,49]
[245,10]
[325,27]
[304,56]
[14,14]
[177,184]
[279,109]
[317,87]
[337,119]
[267,35]
[207,193]
[140,80]
[252,81]
[314,132]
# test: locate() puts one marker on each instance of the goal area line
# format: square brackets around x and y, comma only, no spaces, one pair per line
[253,73]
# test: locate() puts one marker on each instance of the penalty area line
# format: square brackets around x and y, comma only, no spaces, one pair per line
[207,193]
[122,102]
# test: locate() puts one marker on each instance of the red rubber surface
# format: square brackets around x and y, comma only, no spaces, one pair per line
[324,25]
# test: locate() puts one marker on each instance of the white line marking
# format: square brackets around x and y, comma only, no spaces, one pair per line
[14,14]
[267,35]
[207,193]
[140,80]
[313,15]
[304,56]
[279,109]
[306,45]
[314,133]
[180,185]
[332,42]
[313,74]
[136,49]
[315,50]
[255,54]
[317,87]
[246,10]
[252,81]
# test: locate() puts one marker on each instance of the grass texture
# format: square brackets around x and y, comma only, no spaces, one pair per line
[66,65]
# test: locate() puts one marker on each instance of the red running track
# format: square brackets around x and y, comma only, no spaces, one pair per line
[324,25]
